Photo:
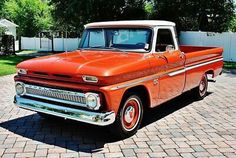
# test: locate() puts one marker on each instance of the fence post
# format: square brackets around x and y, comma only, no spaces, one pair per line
[19,43]
[230,47]
[14,47]
[52,43]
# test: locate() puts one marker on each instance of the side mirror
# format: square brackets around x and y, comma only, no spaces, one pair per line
[170,48]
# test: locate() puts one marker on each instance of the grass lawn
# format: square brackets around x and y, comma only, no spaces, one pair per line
[230,65]
[8,63]
[26,52]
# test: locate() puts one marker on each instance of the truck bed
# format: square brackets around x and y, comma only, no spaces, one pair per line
[199,60]
[194,49]
[201,53]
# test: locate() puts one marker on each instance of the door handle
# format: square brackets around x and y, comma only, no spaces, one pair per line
[181,55]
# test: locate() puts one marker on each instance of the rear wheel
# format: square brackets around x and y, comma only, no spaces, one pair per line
[129,117]
[201,91]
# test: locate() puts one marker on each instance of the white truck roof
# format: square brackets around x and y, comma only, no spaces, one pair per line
[148,23]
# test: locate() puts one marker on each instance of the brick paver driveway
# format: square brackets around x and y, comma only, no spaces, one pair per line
[180,128]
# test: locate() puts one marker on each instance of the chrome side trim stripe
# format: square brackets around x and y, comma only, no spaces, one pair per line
[193,67]
[174,73]
[203,64]
[134,82]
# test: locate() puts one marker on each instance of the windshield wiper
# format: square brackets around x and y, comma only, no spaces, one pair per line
[116,49]
[101,47]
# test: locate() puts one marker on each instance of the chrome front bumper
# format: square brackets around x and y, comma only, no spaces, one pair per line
[95,118]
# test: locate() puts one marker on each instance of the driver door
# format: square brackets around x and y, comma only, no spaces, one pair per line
[171,83]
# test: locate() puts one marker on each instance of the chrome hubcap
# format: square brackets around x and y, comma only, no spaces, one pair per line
[202,86]
[129,114]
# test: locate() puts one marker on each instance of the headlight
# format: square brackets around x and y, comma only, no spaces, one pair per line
[22,71]
[20,88]
[92,101]
[91,79]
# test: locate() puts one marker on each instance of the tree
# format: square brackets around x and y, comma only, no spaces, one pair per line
[233,24]
[1,5]
[73,14]
[2,31]
[32,16]
[211,15]
[149,9]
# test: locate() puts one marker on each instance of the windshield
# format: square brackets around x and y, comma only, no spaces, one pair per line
[125,39]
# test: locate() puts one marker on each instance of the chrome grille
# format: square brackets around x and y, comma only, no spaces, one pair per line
[63,96]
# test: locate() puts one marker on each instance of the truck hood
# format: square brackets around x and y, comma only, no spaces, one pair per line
[102,64]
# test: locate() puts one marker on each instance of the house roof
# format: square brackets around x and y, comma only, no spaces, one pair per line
[149,23]
[7,23]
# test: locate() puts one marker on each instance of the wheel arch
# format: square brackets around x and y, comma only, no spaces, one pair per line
[210,72]
[142,92]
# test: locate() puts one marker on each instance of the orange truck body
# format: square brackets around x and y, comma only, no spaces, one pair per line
[161,76]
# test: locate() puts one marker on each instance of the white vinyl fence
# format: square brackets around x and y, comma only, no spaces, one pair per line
[227,40]
[45,44]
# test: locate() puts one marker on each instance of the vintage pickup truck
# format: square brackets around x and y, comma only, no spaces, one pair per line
[120,69]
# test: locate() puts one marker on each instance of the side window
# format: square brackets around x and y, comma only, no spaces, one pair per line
[164,38]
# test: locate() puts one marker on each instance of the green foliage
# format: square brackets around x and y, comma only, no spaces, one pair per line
[149,9]
[230,65]
[73,14]
[32,16]
[1,5]
[211,15]
[7,45]
[232,26]
[2,31]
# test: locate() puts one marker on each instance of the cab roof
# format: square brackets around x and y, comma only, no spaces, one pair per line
[147,23]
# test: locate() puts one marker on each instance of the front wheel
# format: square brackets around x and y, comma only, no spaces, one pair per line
[129,117]
[201,91]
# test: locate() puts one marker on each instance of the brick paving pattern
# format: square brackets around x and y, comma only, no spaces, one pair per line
[180,128]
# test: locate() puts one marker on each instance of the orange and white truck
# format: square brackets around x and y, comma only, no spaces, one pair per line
[119,69]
